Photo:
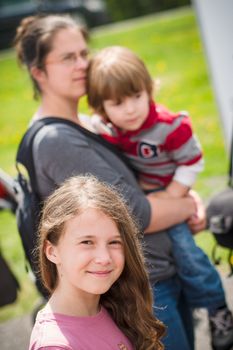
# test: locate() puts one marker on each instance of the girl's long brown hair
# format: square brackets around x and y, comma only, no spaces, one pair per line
[129,300]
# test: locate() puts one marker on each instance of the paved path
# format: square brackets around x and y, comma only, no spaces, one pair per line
[15,333]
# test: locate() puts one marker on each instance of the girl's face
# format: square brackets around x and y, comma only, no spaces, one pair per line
[65,66]
[89,255]
[129,113]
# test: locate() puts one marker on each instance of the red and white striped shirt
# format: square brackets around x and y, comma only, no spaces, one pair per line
[163,149]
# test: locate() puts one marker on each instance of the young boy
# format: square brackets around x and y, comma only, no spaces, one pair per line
[167,157]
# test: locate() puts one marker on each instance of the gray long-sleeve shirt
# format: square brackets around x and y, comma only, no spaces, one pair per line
[60,151]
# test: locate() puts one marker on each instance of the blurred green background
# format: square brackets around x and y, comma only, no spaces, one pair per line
[170,45]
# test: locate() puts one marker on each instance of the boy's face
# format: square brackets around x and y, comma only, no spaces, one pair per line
[130,113]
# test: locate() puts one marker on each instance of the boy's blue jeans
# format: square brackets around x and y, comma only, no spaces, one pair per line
[171,308]
[201,282]
[196,285]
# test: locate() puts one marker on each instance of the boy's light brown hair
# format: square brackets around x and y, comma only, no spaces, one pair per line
[115,73]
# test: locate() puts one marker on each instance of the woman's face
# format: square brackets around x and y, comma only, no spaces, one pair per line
[66,65]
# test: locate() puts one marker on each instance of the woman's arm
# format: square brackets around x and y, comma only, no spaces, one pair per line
[63,152]
[168,212]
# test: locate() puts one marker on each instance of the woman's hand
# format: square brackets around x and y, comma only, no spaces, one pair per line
[198,221]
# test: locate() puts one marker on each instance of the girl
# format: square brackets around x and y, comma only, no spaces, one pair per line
[91,263]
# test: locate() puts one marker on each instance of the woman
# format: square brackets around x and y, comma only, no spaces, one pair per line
[55,52]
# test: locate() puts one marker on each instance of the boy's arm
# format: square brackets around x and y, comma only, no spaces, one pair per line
[176,189]
[185,151]
[182,182]
[184,179]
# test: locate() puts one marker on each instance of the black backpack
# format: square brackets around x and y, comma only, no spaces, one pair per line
[29,203]
[9,285]
[220,217]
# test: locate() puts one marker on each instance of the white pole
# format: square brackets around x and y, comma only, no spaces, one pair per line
[215,19]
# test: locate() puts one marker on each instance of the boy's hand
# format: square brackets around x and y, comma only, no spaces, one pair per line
[100,125]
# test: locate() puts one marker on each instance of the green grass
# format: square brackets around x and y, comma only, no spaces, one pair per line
[171,47]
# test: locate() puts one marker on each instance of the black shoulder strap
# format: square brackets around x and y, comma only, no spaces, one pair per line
[25,149]
[25,154]
[89,134]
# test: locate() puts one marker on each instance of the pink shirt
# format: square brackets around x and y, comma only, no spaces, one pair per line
[57,331]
